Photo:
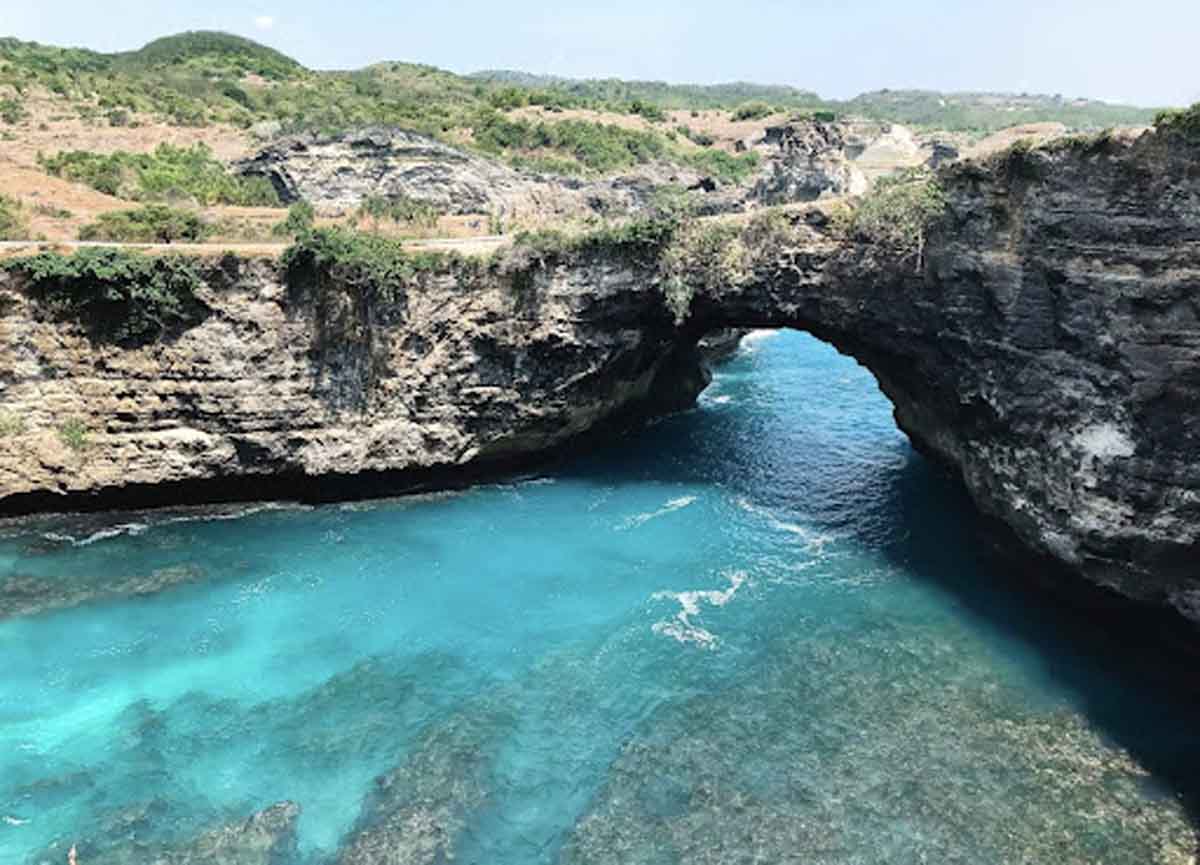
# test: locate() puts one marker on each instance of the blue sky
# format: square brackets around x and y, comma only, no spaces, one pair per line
[1146,53]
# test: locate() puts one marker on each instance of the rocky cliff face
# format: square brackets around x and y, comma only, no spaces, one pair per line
[280,386]
[1046,348]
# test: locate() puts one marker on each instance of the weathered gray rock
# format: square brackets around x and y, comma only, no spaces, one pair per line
[337,172]
[803,161]
[340,171]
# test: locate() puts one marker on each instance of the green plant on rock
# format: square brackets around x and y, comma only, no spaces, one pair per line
[709,256]
[74,434]
[11,425]
[898,212]
[115,295]
[154,223]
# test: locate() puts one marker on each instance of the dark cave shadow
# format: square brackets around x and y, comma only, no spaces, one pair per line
[1139,691]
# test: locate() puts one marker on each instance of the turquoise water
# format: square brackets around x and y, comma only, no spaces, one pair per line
[760,631]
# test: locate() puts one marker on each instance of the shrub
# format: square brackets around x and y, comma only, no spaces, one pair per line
[117,295]
[722,165]
[166,173]
[400,209]
[372,265]
[598,147]
[648,110]
[709,255]
[13,225]
[74,434]
[12,111]
[154,223]
[753,111]
[1185,122]
[300,218]
[703,139]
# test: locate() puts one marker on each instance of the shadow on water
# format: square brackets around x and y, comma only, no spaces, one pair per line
[1108,657]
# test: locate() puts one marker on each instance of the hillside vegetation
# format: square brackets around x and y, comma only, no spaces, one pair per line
[166,174]
[204,77]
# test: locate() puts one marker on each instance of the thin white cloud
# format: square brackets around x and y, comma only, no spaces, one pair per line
[264,22]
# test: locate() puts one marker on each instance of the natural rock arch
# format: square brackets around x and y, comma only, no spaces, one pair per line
[1046,347]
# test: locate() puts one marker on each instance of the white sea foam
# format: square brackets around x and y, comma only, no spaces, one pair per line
[15,821]
[814,542]
[133,529]
[670,507]
[680,627]
[750,342]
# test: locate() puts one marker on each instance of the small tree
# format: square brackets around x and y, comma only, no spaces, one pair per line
[301,218]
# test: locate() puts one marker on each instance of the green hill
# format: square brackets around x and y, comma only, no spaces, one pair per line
[988,112]
[213,53]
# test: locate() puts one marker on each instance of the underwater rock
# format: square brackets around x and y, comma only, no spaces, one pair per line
[265,838]
[417,811]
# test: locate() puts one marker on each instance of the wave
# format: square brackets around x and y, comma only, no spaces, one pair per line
[14,821]
[680,627]
[133,529]
[814,542]
[750,342]
[670,507]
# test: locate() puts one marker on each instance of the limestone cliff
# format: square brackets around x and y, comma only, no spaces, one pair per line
[1045,347]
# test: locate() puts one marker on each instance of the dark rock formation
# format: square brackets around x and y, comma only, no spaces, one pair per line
[1045,348]
[804,161]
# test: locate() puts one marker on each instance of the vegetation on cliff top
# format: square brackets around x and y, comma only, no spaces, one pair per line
[371,264]
[116,295]
[1185,121]
[167,173]
[896,213]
